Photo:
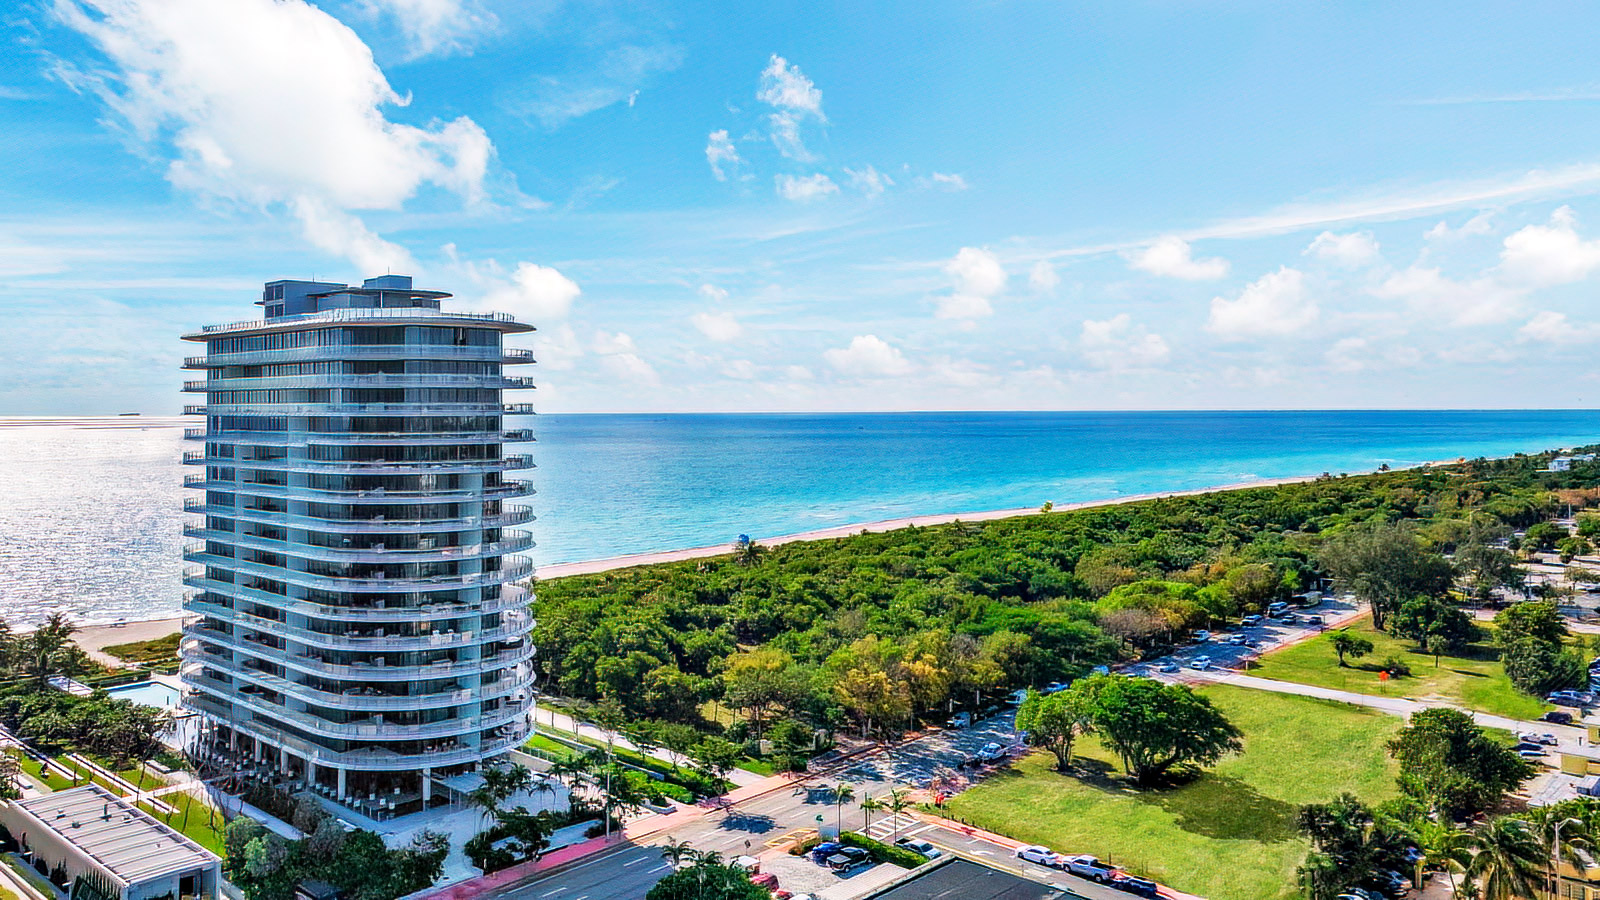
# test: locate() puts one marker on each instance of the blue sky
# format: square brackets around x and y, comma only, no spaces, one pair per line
[808,206]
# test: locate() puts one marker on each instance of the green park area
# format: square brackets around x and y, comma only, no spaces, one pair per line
[1230,834]
[1473,679]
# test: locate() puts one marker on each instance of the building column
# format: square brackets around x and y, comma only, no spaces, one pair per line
[283,760]
[427,787]
[341,784]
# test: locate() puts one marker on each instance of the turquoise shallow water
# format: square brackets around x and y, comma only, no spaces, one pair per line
[90,516]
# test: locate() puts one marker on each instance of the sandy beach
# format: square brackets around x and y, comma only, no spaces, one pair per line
[590,567]
[95,638]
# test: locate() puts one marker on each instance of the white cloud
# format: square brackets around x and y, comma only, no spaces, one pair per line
[976,271]
[557,348]
[868,356]
[797,373]
[869,181]
[1118,344]
[741,369]
[1429,293]
[342,234]
[1170,257]
[1273,305]
[433,26]
[1554,328]
[1544,255]
[1476,226]
[963,307]
[718,326]
[1358,248]
[722,155]
[1356,354]
[271,102]
[804,188]
[620,357]
[786,87]
[783,86]
[615,78]
[534,294]
[713,293]
[1042,278]
[942,181]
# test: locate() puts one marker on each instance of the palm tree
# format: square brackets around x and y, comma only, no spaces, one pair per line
[676,853]
[1507,862]
[1562,839]
[746,551]
[899,801]
[840,794]
[1444,848]
[870,805]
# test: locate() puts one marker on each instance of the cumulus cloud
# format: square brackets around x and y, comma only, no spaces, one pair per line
[721,154]
[1545,255]
[343,234]
[620,357]
[1554,328]
[869,181]
[1357,354]
[1042,278]
[868,356]
[1170,257]
[1117,344]
[718,326]
[805,188]
[1476,226]
[557,348]
[942,181]
[741,369]
[534,293]
[1358,248]
[977,277]
[271,101]
[1427,292]
[437,26]
[1273,305]
[795,98]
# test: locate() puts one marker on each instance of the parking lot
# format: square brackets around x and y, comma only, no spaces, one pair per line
[1269,635]
[935,757]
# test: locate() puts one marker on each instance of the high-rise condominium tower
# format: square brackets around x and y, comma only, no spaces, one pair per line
[362,629]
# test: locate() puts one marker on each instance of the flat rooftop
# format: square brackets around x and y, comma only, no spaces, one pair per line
[960,879]
[130,843]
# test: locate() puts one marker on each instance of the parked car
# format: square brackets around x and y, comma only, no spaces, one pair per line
[1393,883]
[991,752]
[821,852]
[1238,640]
[849,858]
[1252,643]
[1100,670]
[1311,620]
[1090,868]
[1250,621]
[1017,696]
[748,863]
[1202,636]
[1277,609]
[921,848]
[1054,687]
[1531,752]
[1044,856]
[1557,717]
[1140,887]
[766,880]
[1168,667]
[1529,737]
[1570,698]
[960,720]
[1200,662]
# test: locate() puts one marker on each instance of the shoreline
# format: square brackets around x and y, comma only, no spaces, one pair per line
[632,560]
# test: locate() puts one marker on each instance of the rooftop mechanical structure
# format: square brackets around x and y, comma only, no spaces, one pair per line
[363,624]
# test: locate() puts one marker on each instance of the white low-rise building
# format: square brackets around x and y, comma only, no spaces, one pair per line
[110,849]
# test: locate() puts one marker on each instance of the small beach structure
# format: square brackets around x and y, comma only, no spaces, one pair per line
[105,848]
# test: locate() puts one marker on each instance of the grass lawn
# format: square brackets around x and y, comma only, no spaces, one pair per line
[1475,680]
[148,653]
[1228,835]
[194,819]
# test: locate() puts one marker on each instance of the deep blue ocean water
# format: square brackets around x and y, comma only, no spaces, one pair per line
[90,515]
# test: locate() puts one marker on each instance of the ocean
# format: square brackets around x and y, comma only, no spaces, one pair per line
[90,510]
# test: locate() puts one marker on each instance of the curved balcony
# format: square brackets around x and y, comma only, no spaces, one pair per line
[372,759]
[364,352]
[512,569]
[509,489]
[514,543]
[356,698]
[414,315]
[323,410]
[334,380]
[398,438]
[389,643]
[356,672]
[512,598]
[510,518]
[364,467]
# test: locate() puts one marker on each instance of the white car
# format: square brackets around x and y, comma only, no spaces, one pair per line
[1044,856]
[1090,868]
[1202,636]
[1529,737]
[1200,662]
[991,752]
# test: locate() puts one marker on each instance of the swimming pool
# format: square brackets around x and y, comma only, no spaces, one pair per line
[147,693]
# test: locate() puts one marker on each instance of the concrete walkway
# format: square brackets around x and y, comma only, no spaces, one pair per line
[563,722]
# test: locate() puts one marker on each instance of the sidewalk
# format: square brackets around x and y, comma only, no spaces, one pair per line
[563,722]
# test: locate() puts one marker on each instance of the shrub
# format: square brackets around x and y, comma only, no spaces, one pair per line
[882,852]
[1396,667]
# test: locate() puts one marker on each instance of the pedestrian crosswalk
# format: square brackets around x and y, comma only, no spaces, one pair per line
[885,828]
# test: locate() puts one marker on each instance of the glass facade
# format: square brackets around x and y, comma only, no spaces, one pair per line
[363,609]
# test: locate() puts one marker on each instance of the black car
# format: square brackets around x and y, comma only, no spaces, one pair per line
[1557,717]
[848,858]
[1141,887]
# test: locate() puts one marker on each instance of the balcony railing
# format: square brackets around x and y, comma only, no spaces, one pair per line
[336,316]
[511,630]
[373,728]
[510,518]
[429,408]
[365,671]
[336,380]
[512,597]
[380,555]
[401,438]
[377,495]
[363,697]
[507,463]
[365,351]
[511,569]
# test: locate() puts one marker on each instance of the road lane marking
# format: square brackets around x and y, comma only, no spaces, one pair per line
[636,862]
[659,868]
[552,893]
